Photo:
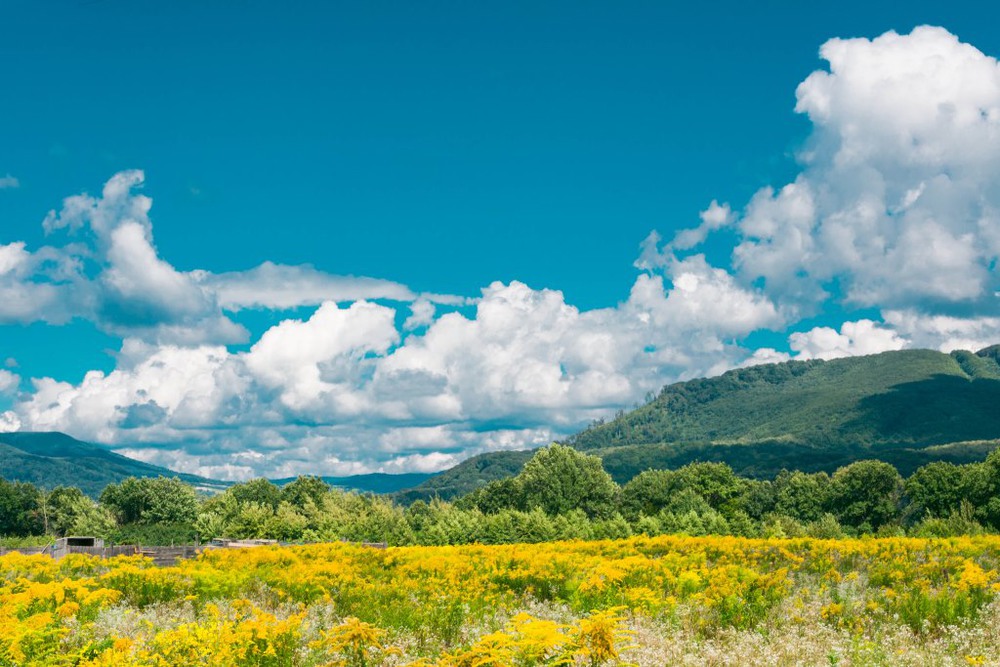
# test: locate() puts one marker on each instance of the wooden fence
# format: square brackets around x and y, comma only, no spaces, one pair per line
[161,556]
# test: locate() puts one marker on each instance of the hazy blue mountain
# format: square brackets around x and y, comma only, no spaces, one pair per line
[376,482]
[55,459]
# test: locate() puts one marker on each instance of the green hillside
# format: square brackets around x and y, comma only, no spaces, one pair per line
[55,459]
[907,408]
[908,398]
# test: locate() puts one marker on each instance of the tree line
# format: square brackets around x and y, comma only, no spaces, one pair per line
[561,493]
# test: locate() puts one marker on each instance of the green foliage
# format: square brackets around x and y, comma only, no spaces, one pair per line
[960,521]
[67,511]
[937,488]
[21,542]
[647,493]
[866,492]
[558,479]
[153,534]
[801,496]
[20,509]
[305,491]
[259,491]
[826,527]
[151,500]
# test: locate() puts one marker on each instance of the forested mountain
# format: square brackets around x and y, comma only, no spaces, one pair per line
[907,398]
[907,408]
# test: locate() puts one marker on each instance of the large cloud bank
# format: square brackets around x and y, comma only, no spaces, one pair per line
[895,211]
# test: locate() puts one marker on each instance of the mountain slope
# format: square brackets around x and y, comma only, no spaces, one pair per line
[908,408]
[53,459]
[911,398]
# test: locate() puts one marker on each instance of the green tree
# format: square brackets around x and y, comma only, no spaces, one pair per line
[647,493]
[260,491]
[305,490]
[721,488]
[67,511]
[20,509]
[498,495]
[866,493]
[938,488]
[802,496]
[558,479]
[151,500]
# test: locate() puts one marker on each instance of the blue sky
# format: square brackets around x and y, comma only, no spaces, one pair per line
[438,149]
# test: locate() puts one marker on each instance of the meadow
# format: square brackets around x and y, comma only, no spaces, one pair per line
[640,601]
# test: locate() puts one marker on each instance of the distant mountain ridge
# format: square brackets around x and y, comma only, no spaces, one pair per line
[50,459]
[375,482]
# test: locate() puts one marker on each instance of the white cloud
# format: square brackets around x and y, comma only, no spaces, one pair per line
[715,217]
[282,287]
[944,332]
[8,182]
[109,271]
[12,257]
[9,381]
[765,355]
[422,313]
[9,422]
[318,366]
[433,462]
[897,203]
[854,339]
[343,392]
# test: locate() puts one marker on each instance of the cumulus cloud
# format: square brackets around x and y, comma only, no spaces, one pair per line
[422,313]
[344,391]
[8,182]
[897,203]
[854,339]
[715,217]
[944,332]
[107,270]
[9,422]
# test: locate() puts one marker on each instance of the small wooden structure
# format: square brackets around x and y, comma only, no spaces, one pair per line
[93,546]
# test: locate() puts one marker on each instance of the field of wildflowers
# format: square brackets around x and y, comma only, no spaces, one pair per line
[642,601]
